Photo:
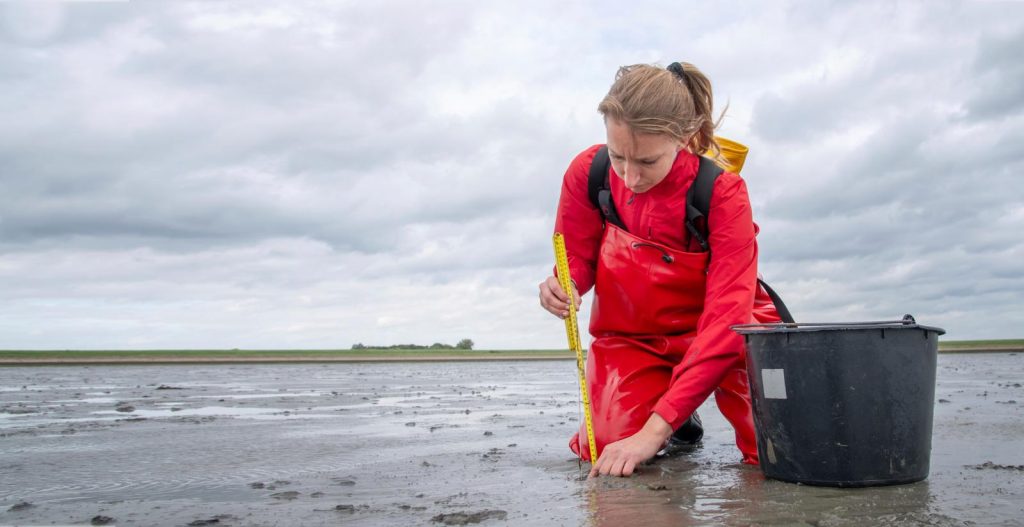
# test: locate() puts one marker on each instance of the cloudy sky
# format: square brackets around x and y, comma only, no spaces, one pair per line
[315,174]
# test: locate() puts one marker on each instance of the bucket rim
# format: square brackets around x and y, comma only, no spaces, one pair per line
[907,322]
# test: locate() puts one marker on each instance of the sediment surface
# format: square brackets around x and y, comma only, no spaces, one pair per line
[439,444]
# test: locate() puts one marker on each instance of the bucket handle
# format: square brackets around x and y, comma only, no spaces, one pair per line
[906,321]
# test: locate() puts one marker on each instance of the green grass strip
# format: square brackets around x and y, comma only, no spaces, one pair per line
[240,354]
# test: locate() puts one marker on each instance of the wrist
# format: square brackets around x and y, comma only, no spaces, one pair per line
[658,427]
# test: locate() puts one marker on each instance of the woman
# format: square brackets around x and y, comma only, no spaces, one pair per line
[663,307]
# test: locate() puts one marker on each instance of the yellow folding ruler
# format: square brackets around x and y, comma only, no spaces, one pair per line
[572,331]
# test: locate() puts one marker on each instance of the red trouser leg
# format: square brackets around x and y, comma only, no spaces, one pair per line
[733,399]
[625,377]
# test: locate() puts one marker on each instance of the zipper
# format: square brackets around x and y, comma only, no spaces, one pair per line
[665,256]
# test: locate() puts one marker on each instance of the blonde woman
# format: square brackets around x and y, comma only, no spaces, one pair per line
[664,296]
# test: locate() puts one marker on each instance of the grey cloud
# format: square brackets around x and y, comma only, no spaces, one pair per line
[997,77]
[343,147]
[49,24]
[383,172]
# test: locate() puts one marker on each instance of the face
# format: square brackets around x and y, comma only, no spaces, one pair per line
[641,160]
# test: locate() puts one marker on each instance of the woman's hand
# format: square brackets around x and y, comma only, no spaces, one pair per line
[554,299]
[621,457]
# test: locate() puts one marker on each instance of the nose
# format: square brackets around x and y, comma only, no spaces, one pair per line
[632,175]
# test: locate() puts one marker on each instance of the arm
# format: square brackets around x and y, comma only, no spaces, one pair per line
[580,221]
[581,224]
[731,283]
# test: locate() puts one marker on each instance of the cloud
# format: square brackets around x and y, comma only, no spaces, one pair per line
[311,174]
[998,77]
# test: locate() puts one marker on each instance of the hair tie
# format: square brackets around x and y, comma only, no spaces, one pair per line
[677,69]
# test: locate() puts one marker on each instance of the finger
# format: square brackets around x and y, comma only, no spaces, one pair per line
[549,302]
[606,467]
[559,305]
[553,292]
[547,297]
[556,289]
[617,467]
[601,467]
[628,468]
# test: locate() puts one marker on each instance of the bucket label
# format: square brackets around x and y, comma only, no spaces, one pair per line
[774,382]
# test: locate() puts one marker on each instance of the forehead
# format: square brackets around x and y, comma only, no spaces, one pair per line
[624,141]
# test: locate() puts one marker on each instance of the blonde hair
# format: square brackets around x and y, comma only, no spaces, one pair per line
[676,102]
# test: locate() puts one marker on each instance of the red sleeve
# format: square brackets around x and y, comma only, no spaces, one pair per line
[580,221]
[729,300]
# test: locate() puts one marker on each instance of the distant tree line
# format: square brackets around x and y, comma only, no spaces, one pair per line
[464,344]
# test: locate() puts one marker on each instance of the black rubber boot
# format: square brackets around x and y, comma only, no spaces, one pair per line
[685,439]
[690,433]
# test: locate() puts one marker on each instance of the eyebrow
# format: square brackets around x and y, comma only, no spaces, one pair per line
[613,153]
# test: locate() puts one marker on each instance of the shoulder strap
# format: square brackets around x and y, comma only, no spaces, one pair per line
[698,201]
[599,190]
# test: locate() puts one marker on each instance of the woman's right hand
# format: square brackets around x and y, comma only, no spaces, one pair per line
[554,299]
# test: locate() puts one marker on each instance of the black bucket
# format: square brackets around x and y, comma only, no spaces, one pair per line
[844,405]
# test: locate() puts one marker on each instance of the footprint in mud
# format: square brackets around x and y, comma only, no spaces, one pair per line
[20,506]
[988,465]
[493,454]
[286,495]
[466,518]
[211,521]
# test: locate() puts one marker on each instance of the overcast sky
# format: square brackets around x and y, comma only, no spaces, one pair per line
[316,174]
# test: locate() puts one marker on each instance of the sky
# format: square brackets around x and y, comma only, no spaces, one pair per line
[267,175]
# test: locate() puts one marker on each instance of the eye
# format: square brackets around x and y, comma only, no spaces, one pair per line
[647,162]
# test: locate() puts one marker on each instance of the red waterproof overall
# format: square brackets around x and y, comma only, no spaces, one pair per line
[650,301]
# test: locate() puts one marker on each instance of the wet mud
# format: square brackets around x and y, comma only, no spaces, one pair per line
[440,444]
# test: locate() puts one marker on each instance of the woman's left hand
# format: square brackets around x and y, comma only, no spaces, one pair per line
[621,457]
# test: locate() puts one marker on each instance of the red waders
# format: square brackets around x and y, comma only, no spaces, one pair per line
[649,298]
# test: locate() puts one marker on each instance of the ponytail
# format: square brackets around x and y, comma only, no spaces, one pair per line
[703,139]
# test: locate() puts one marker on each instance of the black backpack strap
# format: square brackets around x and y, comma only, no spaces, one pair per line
[698,201]
[599,190]
[780,306]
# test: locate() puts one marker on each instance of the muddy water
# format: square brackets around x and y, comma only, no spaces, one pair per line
[439,444]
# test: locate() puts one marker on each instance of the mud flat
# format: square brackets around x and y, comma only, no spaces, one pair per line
[461,443]
[93,357]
